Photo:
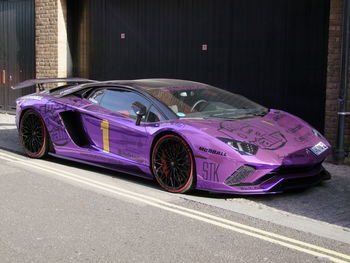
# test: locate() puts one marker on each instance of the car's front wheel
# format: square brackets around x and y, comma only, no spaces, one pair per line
[173,164]
[33,134]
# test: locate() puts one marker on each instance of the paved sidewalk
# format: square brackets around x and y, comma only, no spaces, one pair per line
[8,133]
[328,202]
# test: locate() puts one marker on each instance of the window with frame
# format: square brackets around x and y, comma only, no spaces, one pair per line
[120,101]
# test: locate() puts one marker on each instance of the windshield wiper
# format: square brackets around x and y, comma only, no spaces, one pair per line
[263,113]
[247,115]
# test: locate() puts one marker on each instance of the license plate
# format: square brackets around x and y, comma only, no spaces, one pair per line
[319,148]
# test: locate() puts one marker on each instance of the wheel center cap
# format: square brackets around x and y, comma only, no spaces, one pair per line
[172,164]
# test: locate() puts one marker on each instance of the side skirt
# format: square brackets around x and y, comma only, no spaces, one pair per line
[138,173]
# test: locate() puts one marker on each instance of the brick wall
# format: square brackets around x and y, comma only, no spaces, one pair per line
[333,75]
[46,38]
[51,39]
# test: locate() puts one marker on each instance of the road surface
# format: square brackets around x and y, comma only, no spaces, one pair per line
[59,211]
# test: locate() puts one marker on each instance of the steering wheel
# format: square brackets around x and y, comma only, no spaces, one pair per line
[197,103]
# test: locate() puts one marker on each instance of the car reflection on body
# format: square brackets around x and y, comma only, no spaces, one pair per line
[187,135]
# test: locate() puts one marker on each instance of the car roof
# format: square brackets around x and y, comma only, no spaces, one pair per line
[139,84]
[157,83]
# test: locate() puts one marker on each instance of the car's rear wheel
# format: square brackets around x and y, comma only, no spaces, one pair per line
[33,134]
[173,164]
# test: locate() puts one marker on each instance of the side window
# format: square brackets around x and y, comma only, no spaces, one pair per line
[154,115]
[120,101]
[97,96]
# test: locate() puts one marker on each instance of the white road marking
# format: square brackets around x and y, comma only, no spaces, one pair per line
[8,127]
[191,213]
[279,217]
[8,159]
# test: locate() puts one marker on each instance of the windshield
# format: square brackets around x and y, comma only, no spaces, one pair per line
[205,102]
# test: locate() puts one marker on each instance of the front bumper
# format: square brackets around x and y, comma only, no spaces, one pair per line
[277,180]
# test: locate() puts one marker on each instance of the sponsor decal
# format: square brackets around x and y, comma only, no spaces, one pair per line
[304,137]
[210,171]
[278,116]
[54,124]
[212,151]
[50,108]
[272,141]
[263,138]
[294,129]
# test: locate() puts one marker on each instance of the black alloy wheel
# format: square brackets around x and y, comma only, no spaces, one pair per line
[33,134]
[173,164]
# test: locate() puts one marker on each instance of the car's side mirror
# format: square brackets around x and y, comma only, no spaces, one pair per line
[140,111]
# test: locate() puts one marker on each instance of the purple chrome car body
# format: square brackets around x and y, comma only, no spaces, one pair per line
[284,157]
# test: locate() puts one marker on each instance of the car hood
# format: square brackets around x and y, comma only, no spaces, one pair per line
[280,136]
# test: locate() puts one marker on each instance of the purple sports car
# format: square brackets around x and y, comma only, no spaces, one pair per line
[187,135]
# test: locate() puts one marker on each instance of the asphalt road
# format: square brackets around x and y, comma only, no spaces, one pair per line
[60,211]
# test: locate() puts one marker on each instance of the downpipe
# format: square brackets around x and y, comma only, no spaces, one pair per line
[339,153]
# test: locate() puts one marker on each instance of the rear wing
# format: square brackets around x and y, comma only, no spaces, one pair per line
[41,82]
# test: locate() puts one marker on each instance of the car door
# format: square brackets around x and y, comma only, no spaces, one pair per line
[111,124]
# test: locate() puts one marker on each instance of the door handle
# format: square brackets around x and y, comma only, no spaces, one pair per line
[3,77]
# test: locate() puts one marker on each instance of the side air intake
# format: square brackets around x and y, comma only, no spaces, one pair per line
[238,176]
[72,122]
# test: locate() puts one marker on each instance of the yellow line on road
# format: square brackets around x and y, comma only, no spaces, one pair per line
[204,217]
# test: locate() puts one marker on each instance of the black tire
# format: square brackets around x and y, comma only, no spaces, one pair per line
[173,164]
[33,135]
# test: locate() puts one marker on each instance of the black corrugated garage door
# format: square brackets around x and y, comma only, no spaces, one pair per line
[17,52]
[274,52]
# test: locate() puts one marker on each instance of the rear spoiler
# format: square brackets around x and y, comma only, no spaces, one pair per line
[40,82]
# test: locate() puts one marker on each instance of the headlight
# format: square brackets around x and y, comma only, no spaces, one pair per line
[243,148]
